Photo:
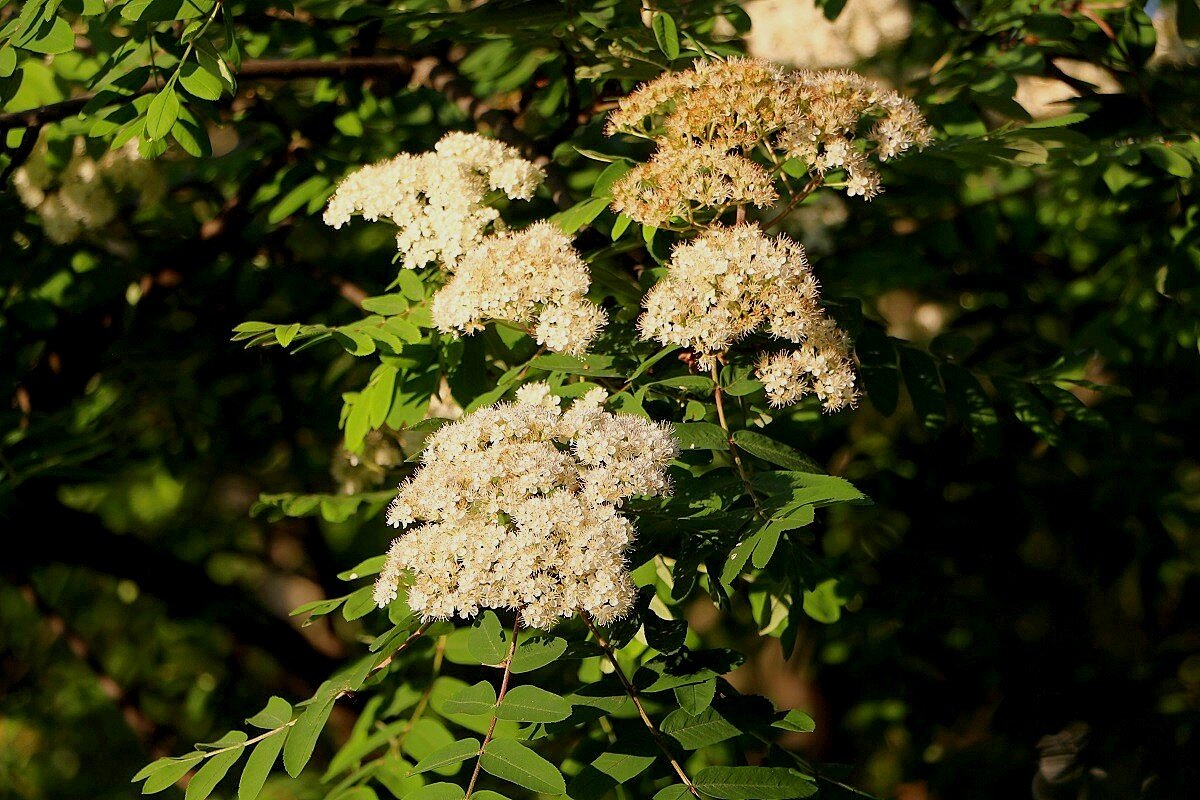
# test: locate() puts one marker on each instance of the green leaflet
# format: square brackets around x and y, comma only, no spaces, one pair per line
[693,732]
[753,783]
[532,704]
[258,765]
[302,739]
[487,639]
[448,756]
[512,761]
[216,766]
[477,699]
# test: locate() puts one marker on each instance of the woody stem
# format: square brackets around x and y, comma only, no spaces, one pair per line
[734,452]
[796,200]
[512,649]
[632,691]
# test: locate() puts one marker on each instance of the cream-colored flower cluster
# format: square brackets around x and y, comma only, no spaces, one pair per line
[681,183]
[822,365]
[798,32]
[745,108]
[730,281]
[438,200]
[518,506]
[86,194]
[531,275]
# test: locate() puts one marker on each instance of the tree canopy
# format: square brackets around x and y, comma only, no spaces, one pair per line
[971,569]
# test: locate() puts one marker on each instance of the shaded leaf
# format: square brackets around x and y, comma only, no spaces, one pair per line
[451,754]
[753,783]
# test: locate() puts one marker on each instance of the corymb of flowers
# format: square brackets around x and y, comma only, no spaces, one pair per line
[439,203]
[728,130]
[518,506]
[728,282]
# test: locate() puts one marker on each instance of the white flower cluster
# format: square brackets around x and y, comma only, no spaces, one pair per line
[522,276]
[745,107]
[437,199]
[86,194]
[727,283]
[820,365]
[518,506]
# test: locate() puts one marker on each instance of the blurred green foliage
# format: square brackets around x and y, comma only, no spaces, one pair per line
[1023,300]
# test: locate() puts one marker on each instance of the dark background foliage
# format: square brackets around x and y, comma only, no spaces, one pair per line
[1028,567]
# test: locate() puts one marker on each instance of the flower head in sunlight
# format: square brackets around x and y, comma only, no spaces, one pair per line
[683,183]
[518,506]
[822,365]
[831,120]
[533,276]
[437,200]
[730,282]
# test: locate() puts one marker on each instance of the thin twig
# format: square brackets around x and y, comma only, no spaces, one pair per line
[632,691]
[734,451]
[796,200]
[512,649]
[387,662]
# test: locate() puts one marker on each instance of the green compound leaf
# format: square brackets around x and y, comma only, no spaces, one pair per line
[580,214]
[666,33]
[437,791]
[696,697]
[693,732]
[426,737]
[766,448]
[303,739]
[216,766]
[536,653]
[797,721]
[162,113]
[675,792]
[700,436]
[165,772]
[823,603]
[276,714]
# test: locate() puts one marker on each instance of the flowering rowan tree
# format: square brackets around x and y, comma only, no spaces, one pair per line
[586,344]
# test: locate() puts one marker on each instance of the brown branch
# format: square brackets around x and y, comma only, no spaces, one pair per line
[387,662]
[512,649]
[134,718]
[796,200]
[253,69]
[634,695]
[184,588]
